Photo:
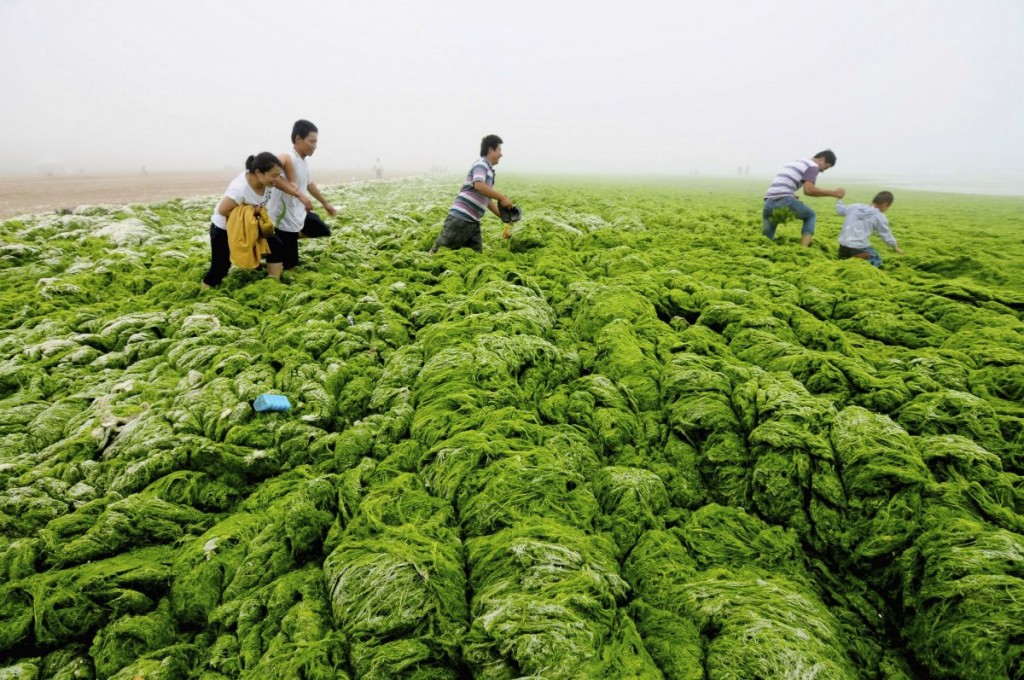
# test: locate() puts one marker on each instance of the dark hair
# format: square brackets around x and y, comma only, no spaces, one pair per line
[828,155]
[262,162]
[883,198]
[489,142]
[301,129]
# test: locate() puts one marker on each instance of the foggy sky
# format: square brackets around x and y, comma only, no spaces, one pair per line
[912,89]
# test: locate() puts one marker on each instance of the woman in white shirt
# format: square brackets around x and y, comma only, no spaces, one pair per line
[252,187]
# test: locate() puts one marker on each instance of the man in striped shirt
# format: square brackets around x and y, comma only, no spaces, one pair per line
[462,226]
[782,193]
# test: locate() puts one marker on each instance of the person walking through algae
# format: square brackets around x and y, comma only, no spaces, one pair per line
[462,225]
[782,193]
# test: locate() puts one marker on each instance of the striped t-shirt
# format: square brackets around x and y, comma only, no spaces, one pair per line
[470,202]
[792,177]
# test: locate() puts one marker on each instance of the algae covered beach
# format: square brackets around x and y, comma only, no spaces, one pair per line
[635,440]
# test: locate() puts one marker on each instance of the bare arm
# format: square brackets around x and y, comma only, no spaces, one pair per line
[289,167]
[314,191]
[882,227]
[225,206]
[491,193]
[286,182]
[810,189]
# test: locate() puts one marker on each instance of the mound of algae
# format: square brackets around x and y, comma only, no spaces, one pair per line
[635,440]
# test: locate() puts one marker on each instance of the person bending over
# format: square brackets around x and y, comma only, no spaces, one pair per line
[252,187]
[862,221]
[782,193]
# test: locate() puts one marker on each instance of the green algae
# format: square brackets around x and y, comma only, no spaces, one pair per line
[635,440]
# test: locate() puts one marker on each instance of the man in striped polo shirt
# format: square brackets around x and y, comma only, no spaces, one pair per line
[782,193]
[462,226]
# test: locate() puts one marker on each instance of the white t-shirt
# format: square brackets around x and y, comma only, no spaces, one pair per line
[286,211]
[241,193]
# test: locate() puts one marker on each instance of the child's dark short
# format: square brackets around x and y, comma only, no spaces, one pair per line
[847,252]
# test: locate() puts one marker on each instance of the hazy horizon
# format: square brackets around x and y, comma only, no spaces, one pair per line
[921,92]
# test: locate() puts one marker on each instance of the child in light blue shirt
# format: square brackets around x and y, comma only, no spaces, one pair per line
[861,221]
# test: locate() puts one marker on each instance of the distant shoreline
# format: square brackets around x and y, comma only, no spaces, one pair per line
[1000,189]
[35,194]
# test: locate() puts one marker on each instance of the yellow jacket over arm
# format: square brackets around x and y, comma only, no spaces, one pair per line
[245,239]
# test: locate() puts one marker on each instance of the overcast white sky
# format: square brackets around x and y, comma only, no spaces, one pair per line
[913,89]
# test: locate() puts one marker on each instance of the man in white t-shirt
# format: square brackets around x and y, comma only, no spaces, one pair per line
[290,207]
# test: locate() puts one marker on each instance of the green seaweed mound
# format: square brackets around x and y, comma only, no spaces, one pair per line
[634,440]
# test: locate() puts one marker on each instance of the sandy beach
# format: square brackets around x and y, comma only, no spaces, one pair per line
[41,193]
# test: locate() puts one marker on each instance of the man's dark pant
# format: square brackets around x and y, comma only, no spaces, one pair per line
[460,232]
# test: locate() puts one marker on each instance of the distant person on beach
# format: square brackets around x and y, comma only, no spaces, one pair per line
[861,221]
[782,193]
[290,208]
[462,225]
[252,187]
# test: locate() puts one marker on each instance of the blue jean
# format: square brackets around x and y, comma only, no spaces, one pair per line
[799,208]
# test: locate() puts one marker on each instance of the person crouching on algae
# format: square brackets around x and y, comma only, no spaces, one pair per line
[252,187]
[782,193]
[861,220]
[462,225]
